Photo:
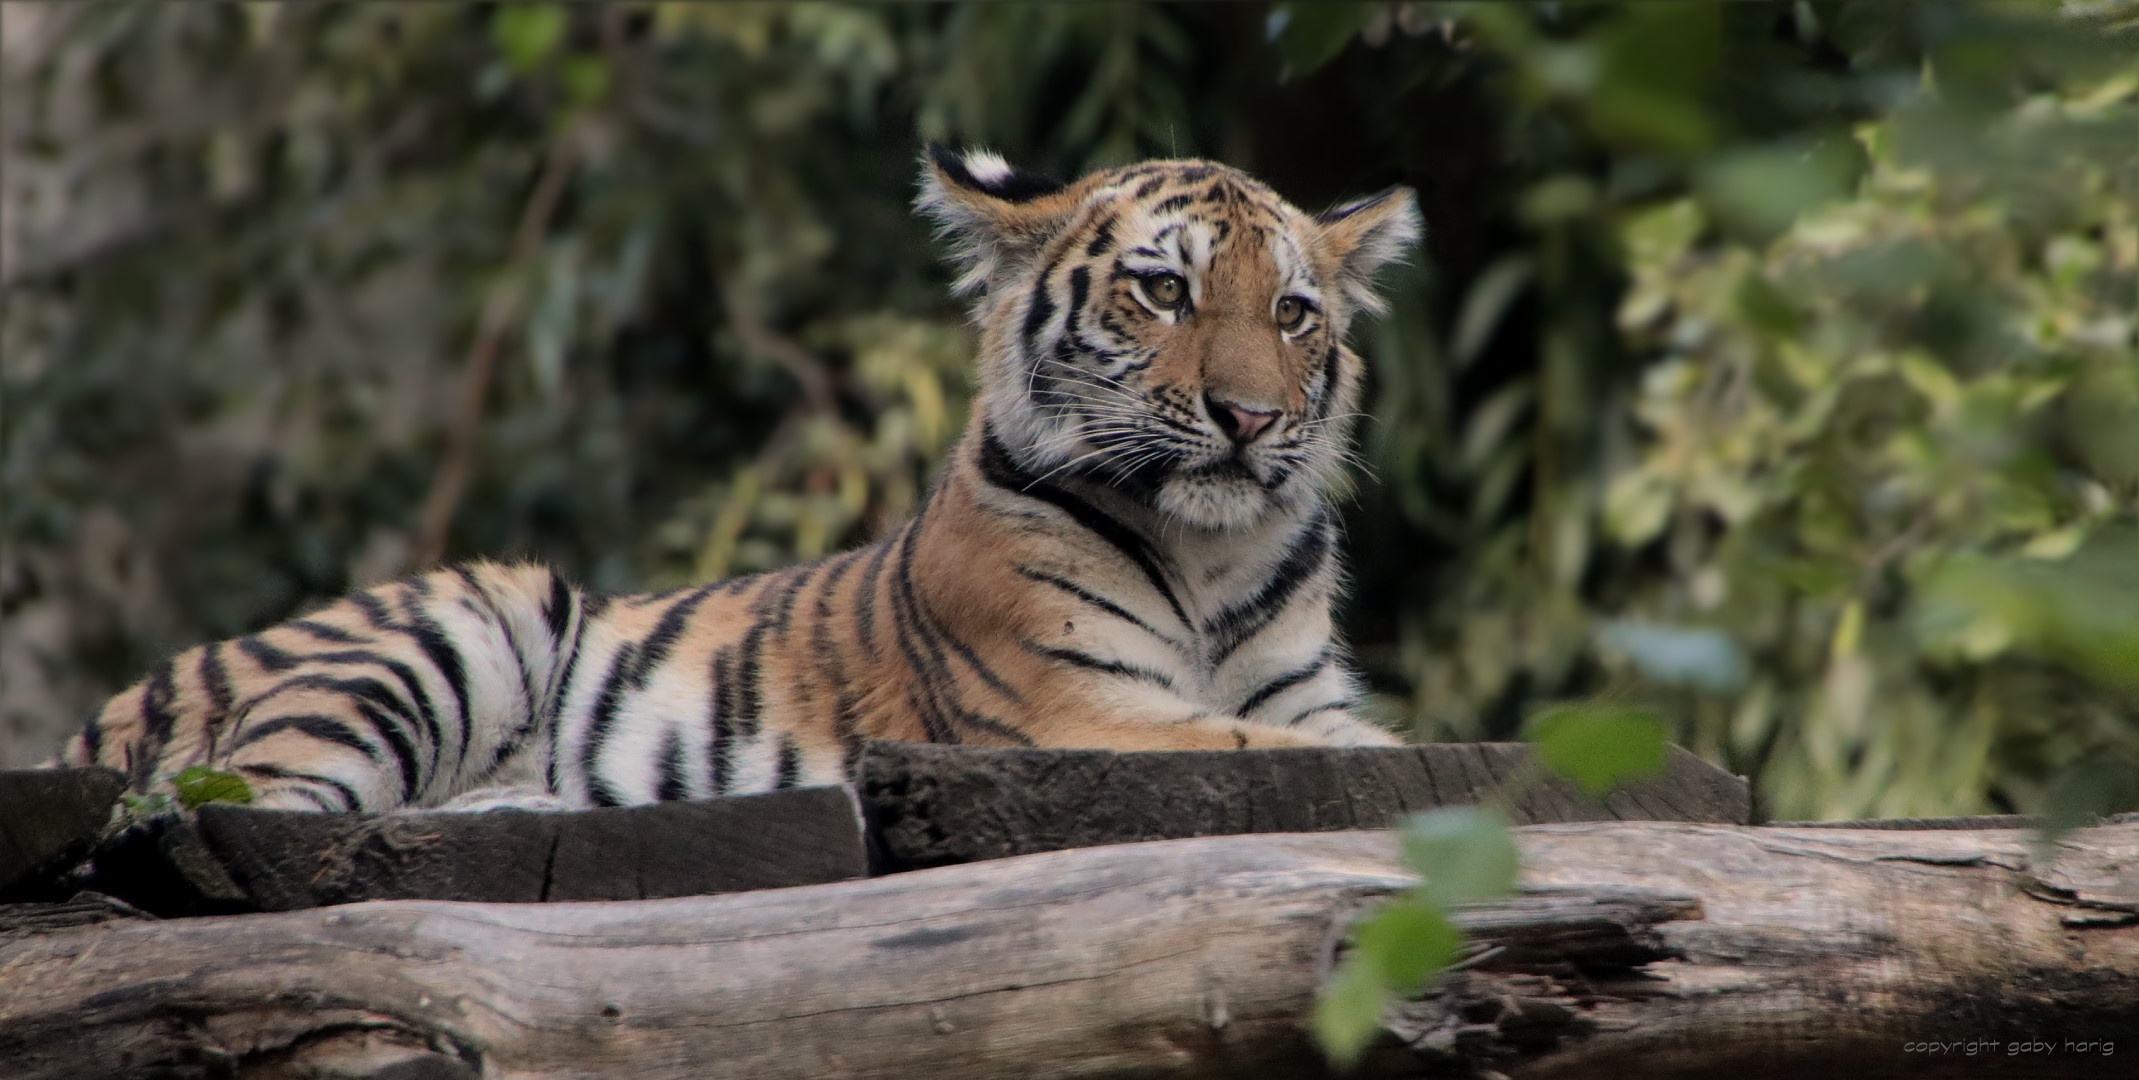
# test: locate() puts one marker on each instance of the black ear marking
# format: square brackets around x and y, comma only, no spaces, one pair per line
[1012,185]
[1344,210]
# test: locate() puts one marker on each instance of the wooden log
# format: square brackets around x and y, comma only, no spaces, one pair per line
[1639,948]
[48,817]
[931,805]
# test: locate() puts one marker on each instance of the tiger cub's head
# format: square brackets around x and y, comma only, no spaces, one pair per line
[1172,329]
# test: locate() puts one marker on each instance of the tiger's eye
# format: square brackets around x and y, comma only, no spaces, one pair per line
[1166,290]
[1290,310]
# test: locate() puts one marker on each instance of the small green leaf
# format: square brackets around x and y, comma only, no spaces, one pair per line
[1599,745]
[200,784]
[527,33]
[586,78]
[1408,941]
[1348,1011]
[149,805]
[1463,853]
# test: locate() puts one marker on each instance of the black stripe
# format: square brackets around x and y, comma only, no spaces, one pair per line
[788,771]
[1080,290]
[1324,707]
[438,648]
[990,725]
[865,595]
[1339,213]
[93,739]
[605,708]
[519,659]
[749,684]
[326,632]
[376,703]
[1102,238]
[157,719]
[215,680]
[1039,307]
[1329,385]
[783,603]
[930,671]
[323,728]
[273,659]
[825,654]
[1092,598]
[1094,663]
[628,673]
[1234,625]
[671,787]
[266,655]
[557,610]
[268,771]
[723,677]
[999,469]
[1283,683]
[1174,203]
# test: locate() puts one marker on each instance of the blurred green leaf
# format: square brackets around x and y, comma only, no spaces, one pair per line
[1348,1009]
[1599,745]
[1463,854]
[1408,941]
[527,33]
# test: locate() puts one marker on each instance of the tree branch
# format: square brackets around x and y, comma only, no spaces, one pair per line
[449,484]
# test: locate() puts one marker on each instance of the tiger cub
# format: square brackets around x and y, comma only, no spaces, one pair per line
[1131,546]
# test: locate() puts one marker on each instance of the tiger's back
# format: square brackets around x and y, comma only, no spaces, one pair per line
[1130,546]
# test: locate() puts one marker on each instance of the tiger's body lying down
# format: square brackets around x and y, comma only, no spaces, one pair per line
[1130,547]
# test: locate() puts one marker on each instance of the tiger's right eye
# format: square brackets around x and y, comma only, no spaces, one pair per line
[1166,290]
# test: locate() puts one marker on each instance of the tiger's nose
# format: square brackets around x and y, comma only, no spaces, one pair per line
[1240,423]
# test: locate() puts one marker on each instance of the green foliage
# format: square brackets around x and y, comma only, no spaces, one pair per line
[1598,744]
[199,784]
[1463,855]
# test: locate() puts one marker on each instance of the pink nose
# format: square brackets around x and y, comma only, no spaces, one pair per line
[1240,423]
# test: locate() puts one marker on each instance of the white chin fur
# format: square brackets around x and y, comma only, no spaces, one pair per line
[1214,503]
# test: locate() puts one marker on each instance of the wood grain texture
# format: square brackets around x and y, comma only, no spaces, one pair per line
[934,805]
[1815,953]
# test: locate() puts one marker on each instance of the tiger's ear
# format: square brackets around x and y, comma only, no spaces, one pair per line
[993,215]
[1364,235]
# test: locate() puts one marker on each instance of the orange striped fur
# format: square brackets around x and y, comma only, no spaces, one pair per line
[1131,546]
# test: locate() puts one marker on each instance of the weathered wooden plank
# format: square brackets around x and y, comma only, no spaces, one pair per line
[287,860]
[936,805]
[48,815]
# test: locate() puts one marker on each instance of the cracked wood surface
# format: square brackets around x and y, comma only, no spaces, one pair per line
[1639,948]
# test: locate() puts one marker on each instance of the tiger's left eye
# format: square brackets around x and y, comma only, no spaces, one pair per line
[1166,290]
[1290,310]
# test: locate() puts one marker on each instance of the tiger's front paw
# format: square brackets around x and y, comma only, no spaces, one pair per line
[516,797]
[1253,736]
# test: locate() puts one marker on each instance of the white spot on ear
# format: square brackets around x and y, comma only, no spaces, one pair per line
[987,166]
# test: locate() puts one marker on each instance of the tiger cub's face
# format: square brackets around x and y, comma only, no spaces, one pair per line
[1171,329]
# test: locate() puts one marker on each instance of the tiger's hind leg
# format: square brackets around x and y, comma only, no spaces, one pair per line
[405,694]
